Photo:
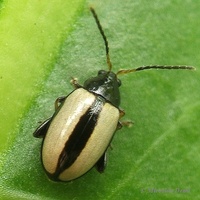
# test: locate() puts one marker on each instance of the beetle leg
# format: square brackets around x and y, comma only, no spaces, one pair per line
[42,129]
[75,83]
[123,123]
[121,113]
[101,163]
[58,101]
[127,123]
[119,125]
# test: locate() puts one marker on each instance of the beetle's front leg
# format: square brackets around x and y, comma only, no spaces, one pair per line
[127,123]
[74,82]
[123,123]
[121,113]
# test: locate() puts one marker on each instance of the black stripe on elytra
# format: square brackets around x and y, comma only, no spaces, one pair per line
[80,136]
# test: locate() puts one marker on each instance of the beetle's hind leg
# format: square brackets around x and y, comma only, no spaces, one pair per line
[101,163]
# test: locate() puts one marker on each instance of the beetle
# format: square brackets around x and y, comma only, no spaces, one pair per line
[78,134]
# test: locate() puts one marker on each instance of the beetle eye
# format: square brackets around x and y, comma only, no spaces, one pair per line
[100,72]
[119,82]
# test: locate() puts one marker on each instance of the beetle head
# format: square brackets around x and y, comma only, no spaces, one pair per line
[105,84]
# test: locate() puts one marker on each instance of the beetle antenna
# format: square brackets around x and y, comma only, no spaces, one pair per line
[126,71]
[104,37]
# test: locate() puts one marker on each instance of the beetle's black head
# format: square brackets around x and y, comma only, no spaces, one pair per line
[105,84]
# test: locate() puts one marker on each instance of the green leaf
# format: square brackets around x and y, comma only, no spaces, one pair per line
[44,44]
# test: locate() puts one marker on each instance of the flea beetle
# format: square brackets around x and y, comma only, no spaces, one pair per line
[78,134]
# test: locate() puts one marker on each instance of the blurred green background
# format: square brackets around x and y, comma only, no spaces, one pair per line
[43,44]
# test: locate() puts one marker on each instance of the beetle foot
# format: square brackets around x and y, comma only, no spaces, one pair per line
[127,123]
[74,82]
